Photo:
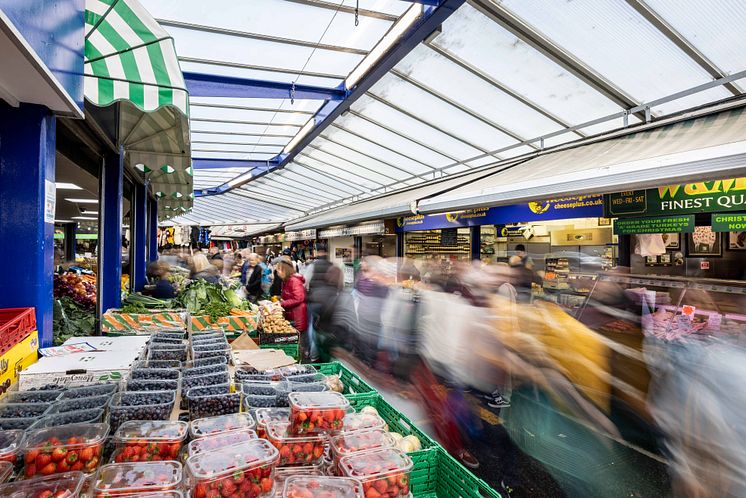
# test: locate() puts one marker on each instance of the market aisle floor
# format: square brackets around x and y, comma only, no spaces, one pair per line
[491,450]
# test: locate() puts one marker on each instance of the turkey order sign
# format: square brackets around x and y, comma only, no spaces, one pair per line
[660,224]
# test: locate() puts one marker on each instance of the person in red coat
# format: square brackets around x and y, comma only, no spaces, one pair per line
[293,298]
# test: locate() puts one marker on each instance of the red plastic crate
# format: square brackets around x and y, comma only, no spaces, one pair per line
[15,325]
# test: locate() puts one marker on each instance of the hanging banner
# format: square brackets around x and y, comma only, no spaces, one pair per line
[659,224]
[701,197]
[731,222]
[301,235]
[588,206]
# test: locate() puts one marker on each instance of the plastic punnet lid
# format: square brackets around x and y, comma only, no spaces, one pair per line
[297,369]
[212,443]
[87,434]
[362,422]
[118,479]
[315,401]
[65,485]
[151,430]
[368,465]
[309,486]
[6,470]
[266,415]
[278,431]
[353,442]
[244,456]
[10,443]
[223,423]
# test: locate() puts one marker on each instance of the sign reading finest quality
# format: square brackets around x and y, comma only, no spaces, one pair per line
[731,222]
[702,197]
[663,224]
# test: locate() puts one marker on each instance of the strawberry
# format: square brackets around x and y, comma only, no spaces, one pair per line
[31,456]
[48,469]
[43,459]
[266,485]
[59,454]
[30,470]
[77,466]
[381,485]
[86,454]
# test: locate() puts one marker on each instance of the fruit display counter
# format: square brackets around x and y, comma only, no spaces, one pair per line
[196,424]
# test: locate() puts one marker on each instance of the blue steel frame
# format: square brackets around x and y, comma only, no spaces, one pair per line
[435,13]
[152,230]
[139,231]
[27,172]
[110,232]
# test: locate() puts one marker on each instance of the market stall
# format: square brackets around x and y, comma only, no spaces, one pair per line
[177,412]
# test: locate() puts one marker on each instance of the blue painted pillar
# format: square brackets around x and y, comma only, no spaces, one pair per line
[110,233]
[152,230]
[27,167]
[139,230]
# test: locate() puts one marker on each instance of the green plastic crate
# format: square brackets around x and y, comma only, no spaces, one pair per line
[355,387]
[289,349]
[397,422]
[436,474]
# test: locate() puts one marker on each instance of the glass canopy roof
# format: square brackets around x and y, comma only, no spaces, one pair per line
[497,81]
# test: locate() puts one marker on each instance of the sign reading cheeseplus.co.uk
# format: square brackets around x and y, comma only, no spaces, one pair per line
[729,222]
[702,197]
[589,206]
[659,224]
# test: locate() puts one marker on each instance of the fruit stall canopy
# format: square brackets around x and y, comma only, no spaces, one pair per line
[130,59]
[427,91]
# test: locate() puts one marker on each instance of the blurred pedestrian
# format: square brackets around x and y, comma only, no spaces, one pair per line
[203,270]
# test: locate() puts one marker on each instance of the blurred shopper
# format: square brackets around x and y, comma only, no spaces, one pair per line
[318,291]
[203,270]
[522,278]
[266,275]
[163,288]
[253,276]
[294,302]
[370,295]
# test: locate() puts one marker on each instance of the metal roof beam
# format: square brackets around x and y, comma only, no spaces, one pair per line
[232,151]
[397,152]
[453,103]
[260,37]
[345,160]
[372,158]
[528,34]
[213,85]
[500,86]
[289,190]
[246,194]
[204,163]
[427,123]
[337,6]
[262,196]
[677,39]
[241,134]
[319,182]
[248,108]
[402,135]
[266,69]
[207,142]
[433,16]
[343,181]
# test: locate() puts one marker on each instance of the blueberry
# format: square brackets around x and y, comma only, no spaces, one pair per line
[211,406]
[77,404]
[155,374]
[23,410]
[89,391]
[33,396]
[152,385]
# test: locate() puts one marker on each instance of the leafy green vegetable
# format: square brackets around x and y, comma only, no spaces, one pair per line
[71,320]
[202,298]
[216,310]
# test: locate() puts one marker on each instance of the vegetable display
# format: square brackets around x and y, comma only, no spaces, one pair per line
[202,298]
[79,288]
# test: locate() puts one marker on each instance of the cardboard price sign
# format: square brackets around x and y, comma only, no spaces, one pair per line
[662,224]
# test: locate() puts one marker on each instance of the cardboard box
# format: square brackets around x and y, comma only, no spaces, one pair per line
[121,343]
[79,369]
[19,357]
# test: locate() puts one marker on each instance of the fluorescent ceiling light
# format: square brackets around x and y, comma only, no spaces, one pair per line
[63,221]
[84,218]
[83,201]
[86,212]
[301,133]
[66,186]
[240,179]
[384,44]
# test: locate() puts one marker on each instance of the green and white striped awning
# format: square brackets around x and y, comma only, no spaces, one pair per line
[132,60]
